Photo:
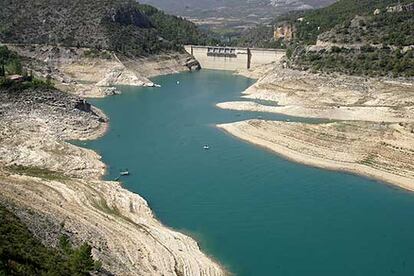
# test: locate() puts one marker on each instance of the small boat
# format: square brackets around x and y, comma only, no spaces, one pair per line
[178,82]
[206,147]
[124,173]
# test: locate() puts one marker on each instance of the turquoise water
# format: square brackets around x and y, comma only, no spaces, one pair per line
[253,211]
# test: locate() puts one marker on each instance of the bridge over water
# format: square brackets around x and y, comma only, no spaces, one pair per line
[233,58]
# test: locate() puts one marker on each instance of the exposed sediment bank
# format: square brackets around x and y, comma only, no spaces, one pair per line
[385,153]
[373,132]
[351,113]
[336,97]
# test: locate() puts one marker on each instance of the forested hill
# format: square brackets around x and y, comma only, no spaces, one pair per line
[342,12]
[119,25]
[358,37]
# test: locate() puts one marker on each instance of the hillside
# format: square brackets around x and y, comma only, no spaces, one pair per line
[384,28]
[369,38]
[364,61]
[228,18]
[260,36]
[318,21]
[119,25]
[235,7]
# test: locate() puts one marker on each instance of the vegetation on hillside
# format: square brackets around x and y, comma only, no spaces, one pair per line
[316,22]
[175,29]
[22,254]
[11,64]
[367,61]
[392,28]
[118,25]
[260,36]
[382,38]
[385,28]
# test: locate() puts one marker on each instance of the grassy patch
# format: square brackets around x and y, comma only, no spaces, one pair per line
[102,205]
[368,160]
[95,53]
[37,172]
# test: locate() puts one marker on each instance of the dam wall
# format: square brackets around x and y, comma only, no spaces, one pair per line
[233,58]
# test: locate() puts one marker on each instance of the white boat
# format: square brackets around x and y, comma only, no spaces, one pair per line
[124,173]
[206,147]
[151,84]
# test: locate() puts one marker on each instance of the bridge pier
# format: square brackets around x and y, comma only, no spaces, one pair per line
[249,58]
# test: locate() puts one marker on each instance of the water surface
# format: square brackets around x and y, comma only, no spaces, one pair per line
[253,211]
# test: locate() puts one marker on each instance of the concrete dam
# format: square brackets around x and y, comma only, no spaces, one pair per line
[233,58]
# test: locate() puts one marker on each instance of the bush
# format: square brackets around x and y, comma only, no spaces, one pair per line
[289,53]
[10,61]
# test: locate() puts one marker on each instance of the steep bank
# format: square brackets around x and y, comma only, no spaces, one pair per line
[375,134]
[55,188]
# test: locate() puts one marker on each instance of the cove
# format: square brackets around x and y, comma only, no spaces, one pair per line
[253,211]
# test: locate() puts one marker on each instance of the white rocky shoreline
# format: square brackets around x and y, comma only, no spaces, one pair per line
[371,132]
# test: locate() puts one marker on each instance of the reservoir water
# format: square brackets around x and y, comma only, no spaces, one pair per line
[253,211]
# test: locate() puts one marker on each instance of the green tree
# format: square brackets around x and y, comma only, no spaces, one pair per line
[80,261]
